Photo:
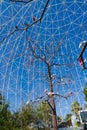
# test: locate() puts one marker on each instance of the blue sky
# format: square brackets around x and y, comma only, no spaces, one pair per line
[64,24]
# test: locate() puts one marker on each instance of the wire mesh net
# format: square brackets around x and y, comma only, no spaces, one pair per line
[36,33]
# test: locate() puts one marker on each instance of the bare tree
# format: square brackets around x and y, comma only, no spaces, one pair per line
[48,58]
[46,55]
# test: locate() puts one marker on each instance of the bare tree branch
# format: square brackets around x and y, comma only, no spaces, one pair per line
[22,1]
[44,10]
[50,105]
[35,55]
[38,47]
[44,59]
[19,29]
[11,33]
[28,25]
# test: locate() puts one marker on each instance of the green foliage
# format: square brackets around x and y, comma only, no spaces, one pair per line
[27,115]
[85,92]
[44,113]
[68,117]
[76,107]
[85,107]
[29,118]
[59,120]
[5,114]
[2,100]
[33,118]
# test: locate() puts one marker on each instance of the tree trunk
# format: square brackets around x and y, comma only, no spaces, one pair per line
[54,116]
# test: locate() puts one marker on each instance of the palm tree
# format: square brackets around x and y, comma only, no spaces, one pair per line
[76,107]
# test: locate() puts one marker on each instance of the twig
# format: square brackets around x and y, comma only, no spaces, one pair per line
[28,25]
[44,10]
[22,1]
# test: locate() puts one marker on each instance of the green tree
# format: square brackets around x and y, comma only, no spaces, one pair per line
[68,117]
[59,120]
[85,107]
[44,114]
[5,115]
[76,107]
[35,117]
[85,92]
[27,115]
[16,121]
